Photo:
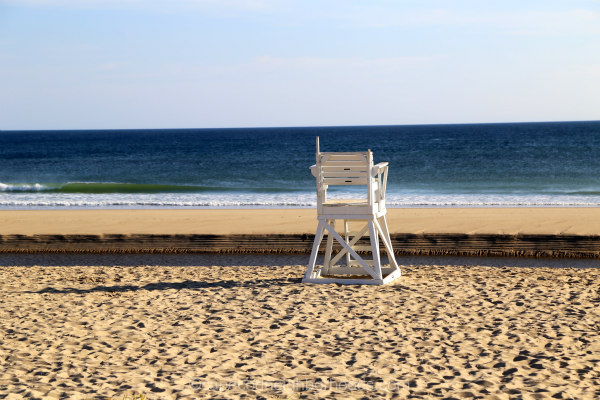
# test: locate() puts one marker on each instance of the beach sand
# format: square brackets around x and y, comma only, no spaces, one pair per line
[246,327]
[192,326]
[567,220]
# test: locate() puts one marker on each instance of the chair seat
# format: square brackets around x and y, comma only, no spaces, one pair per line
[346,202]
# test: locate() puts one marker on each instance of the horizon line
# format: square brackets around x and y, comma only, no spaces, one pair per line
[299,126]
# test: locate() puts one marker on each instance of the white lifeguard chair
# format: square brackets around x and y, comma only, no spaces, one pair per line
[344,169]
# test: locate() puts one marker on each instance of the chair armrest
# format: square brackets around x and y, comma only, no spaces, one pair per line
[379,173]
[378,167]
[313,170]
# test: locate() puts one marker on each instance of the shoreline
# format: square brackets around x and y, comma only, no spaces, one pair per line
[513,232]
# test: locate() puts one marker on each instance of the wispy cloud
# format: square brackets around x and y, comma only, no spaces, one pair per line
[519,18]
[73,3]
[543,23]
[312,63]
[250,5]
[232,4]
[572,19]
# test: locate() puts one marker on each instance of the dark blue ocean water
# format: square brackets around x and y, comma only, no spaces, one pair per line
[521,164]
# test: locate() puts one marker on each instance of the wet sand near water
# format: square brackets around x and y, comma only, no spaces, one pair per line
[543,220]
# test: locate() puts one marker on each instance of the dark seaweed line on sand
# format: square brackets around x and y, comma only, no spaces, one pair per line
[522,245]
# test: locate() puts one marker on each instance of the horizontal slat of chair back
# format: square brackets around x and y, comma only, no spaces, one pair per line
[344,167]
[345,181]
[346,164]
[345,174]
[344,157]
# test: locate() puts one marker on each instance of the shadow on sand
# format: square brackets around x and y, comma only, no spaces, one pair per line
[185,285]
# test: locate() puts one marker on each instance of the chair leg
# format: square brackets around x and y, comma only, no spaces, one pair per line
[387,241]
[375,249]
[315,250]
[347,237]
[328,250]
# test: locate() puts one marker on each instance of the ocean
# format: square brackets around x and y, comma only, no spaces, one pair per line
[472,165]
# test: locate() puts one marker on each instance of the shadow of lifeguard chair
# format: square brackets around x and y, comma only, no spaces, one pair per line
[351,169]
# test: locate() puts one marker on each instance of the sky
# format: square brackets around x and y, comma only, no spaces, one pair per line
[141,64]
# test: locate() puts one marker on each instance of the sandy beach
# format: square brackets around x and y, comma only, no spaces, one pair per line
[246,327]
[101,326]
[546,220]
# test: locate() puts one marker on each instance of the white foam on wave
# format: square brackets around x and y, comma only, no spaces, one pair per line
[22,187]
[270,200]
[79,200]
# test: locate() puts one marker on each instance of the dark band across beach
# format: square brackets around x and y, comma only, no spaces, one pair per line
[535,232]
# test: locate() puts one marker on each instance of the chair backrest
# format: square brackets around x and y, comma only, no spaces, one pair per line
[349,169]
[345,168]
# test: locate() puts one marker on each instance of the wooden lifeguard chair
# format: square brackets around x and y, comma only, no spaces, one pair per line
[351,169]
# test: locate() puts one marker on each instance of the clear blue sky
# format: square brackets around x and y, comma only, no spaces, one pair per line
[69,64]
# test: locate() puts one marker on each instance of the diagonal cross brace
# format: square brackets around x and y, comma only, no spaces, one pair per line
[354,240]
[354,254]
